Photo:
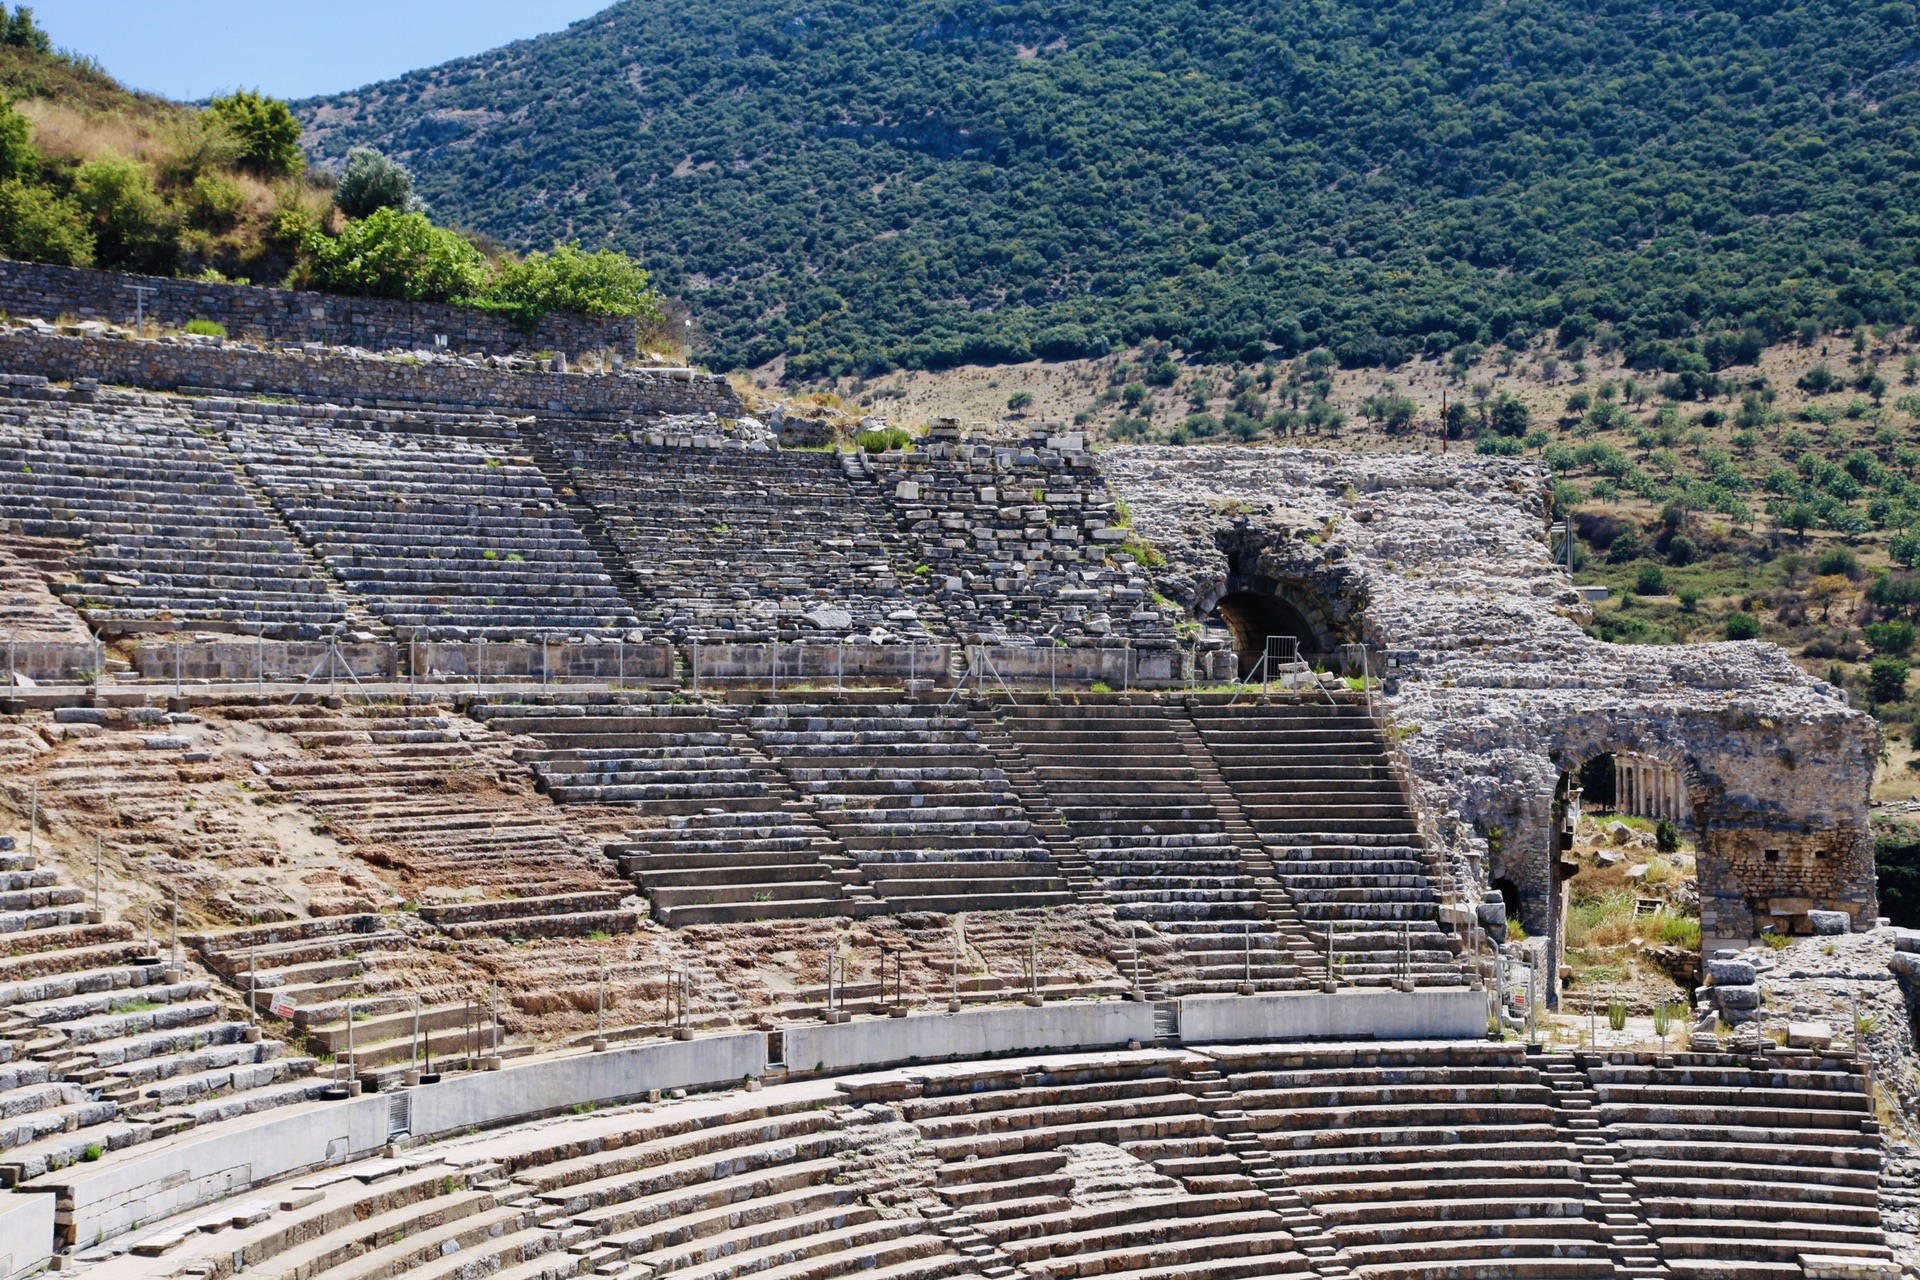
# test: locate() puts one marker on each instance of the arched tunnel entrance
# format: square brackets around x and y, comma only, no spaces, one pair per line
[1253,616]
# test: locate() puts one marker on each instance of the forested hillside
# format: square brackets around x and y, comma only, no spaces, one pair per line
[868,183]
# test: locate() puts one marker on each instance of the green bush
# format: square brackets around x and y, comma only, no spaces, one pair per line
[397,255]
[1666,836]
[1020,400]
[1650,581]
[132,227]
[40,226]
[1743,626]
[214,202]
[1498,446]
[370,182]
[603,283]
[884,440]
[1894,637]
[1839,560]
[1887,679]
[267,129]
[207,328]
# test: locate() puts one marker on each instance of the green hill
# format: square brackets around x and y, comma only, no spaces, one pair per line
[862,184]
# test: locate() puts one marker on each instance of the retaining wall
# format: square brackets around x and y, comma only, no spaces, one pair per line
[169,1176]
[284,315]
[26,1234]
[977,1033]
[218,369]
[761,663]
[1346,1015]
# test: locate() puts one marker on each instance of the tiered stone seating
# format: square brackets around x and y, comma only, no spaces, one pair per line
[1316,785]
[325,968]
[1420,1162]
[1742,1173]
[101,1046]
[915,800]
[774,1186]
[1089,1169]
[1120,778]
[729,546]
[729,842]
[444,536]
[170,537]
[1019,542]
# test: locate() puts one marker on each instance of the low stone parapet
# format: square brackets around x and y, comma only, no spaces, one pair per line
[815,663]
[360,378]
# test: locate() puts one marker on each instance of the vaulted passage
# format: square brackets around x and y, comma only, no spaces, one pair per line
[1253,616]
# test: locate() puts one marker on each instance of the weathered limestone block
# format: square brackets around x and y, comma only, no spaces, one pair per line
[1829,923]
[1731,973]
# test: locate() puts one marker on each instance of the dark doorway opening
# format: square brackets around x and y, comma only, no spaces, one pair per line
[1253,616]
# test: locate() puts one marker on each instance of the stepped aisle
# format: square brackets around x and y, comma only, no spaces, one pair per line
[1315,783]
[1119,776]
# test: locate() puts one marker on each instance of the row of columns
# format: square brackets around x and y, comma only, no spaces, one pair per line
[1646,788]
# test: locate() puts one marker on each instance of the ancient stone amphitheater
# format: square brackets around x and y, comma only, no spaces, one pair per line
[473,816]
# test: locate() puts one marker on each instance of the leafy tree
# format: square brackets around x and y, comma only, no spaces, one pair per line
[1894,638]
[1506,415]
[1743,626]
[1020,400]
[1840,560]
[1904,549]
[1818,380]
[1650,581]
[268,131]
[18,157]
[22,32]
[603,283]
[397,255]
[1887,679]
[370,182]
[1800,517]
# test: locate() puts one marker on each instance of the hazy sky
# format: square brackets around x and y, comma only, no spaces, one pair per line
[190,49]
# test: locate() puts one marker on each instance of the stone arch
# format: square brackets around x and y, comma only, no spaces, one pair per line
[1255,606]
[1534,861]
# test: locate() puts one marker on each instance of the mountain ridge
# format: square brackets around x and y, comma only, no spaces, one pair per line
[858,186]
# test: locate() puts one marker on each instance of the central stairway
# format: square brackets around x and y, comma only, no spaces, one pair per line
[917,802]
[1316,784]
[1120,777]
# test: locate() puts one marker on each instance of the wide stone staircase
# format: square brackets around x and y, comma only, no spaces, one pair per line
[1318,789]
[1119,776]
[441,523]
[915,800]
[763,1186]
[420,790]
[325,975]
[726,838]
[103,1044]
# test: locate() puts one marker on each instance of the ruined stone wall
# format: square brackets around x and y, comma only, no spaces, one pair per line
[1441,566]
[1023,542]
[352,377]
[285,315]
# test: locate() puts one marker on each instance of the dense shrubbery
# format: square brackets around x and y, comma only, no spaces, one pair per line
[868,184]
[225,190]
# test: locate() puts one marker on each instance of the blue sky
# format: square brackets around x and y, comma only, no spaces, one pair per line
[190,49]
